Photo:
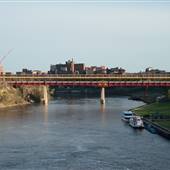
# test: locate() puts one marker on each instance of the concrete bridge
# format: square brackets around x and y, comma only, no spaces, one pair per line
[95,80]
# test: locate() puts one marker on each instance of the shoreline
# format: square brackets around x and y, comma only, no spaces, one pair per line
[14,105]
[151,122]
[12,96]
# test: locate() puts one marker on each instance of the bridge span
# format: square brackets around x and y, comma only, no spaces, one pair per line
[95,80]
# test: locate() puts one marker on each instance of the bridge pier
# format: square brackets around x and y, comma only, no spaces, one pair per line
[102,97]
[45,95]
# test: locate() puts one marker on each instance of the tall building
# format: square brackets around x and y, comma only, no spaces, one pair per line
[70,66]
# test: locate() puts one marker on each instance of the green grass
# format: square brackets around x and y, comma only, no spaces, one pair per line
[163,123]
[161,108]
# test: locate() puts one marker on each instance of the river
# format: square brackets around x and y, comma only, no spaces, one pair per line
[78,134]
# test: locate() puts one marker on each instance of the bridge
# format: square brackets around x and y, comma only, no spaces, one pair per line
[92,80]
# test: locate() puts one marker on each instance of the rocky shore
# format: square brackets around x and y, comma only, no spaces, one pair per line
[10,96]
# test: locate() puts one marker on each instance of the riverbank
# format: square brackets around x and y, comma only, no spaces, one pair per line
[14,105]
[156,115]
[150,109]
[11,97]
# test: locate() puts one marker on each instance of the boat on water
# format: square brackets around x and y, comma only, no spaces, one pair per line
[136,122]
[126,115]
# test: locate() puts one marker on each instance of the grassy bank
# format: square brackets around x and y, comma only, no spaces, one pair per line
[163,123]
[159,113]
[162,108]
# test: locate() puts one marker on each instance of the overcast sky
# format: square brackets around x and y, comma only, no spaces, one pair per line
[130,36]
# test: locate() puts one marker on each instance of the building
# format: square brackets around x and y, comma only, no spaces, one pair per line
[58,69]
[36,72]
[26,71]
[79,68]
[96,70]
[89,70]
[70,67]
[19,73]
[150,70]
[116,70]
[101,70]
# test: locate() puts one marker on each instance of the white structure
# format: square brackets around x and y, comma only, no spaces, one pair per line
[102,97]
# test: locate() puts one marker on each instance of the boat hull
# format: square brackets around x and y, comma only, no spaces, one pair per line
[137,127]
[136,122]
[125,119]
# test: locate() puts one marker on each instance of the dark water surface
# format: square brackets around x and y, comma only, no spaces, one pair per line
[78,134]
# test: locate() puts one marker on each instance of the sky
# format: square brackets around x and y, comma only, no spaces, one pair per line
[129,34]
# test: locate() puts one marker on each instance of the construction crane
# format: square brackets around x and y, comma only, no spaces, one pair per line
[1,60]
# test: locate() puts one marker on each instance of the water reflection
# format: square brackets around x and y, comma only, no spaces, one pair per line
[78,134]
[14,113]
[102,108]
[45,111]
[103,114]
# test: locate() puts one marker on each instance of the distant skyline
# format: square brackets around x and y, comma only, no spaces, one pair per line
[133,36]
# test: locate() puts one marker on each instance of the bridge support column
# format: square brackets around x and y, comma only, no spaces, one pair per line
[102,97]
[45,95]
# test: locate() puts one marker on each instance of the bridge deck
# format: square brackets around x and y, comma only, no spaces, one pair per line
[136,80]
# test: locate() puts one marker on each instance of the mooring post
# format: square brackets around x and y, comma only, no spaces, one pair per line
[45,95]
[102,97]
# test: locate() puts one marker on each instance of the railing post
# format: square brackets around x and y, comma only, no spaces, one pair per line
[102,97]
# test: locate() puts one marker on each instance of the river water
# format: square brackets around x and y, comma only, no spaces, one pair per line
[78,134]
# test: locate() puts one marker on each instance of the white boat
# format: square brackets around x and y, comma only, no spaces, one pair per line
[136,122]
[126,115]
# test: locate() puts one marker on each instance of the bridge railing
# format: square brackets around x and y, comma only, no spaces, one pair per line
[95,75]
[91,77]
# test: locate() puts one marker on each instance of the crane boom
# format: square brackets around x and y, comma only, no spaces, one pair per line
[3,57]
